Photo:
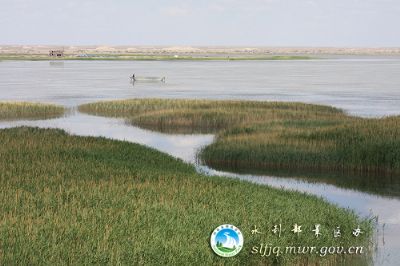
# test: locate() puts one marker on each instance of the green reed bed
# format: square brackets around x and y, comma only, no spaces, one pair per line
[27,110]
[272,135]
[84,200]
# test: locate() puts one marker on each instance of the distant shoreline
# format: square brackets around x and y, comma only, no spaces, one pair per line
[136,57]
[194,51]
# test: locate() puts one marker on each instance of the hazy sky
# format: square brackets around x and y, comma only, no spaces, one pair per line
[201,22]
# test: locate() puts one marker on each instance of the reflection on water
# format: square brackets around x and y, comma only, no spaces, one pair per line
[366,87]
[56,63]
[384,185]
[179,146]
[387,239]
[186,148]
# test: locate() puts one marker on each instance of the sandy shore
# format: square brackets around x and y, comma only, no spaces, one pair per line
[193,50]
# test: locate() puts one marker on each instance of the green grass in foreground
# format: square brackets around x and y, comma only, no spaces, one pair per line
[272,135]
[142,57]
[84,200]
[27,110]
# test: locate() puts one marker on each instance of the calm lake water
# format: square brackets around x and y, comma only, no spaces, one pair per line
[367,87]
[362,86]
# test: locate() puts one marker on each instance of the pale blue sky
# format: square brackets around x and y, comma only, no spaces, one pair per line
[365,23]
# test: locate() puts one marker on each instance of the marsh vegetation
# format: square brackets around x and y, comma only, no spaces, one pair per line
[272,135]
[84,200]
[28,110]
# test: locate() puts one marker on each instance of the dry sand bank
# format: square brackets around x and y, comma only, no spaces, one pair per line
[193,50]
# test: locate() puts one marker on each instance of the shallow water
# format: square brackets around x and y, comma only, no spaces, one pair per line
[180,146]
[365,87]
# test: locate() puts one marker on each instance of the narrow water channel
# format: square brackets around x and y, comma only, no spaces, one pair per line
[363,86]
[186,147]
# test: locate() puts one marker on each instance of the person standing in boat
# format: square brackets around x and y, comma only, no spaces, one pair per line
[133,76]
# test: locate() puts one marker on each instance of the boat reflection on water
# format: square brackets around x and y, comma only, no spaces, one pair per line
[365,87]
[57,63]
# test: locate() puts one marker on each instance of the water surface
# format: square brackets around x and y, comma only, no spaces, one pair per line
[367,87]
[364,87]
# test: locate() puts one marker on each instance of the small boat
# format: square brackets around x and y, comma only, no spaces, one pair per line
[147,79]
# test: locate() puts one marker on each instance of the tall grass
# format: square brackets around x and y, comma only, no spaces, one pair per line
[272,135]
[82,200]
[27,110]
